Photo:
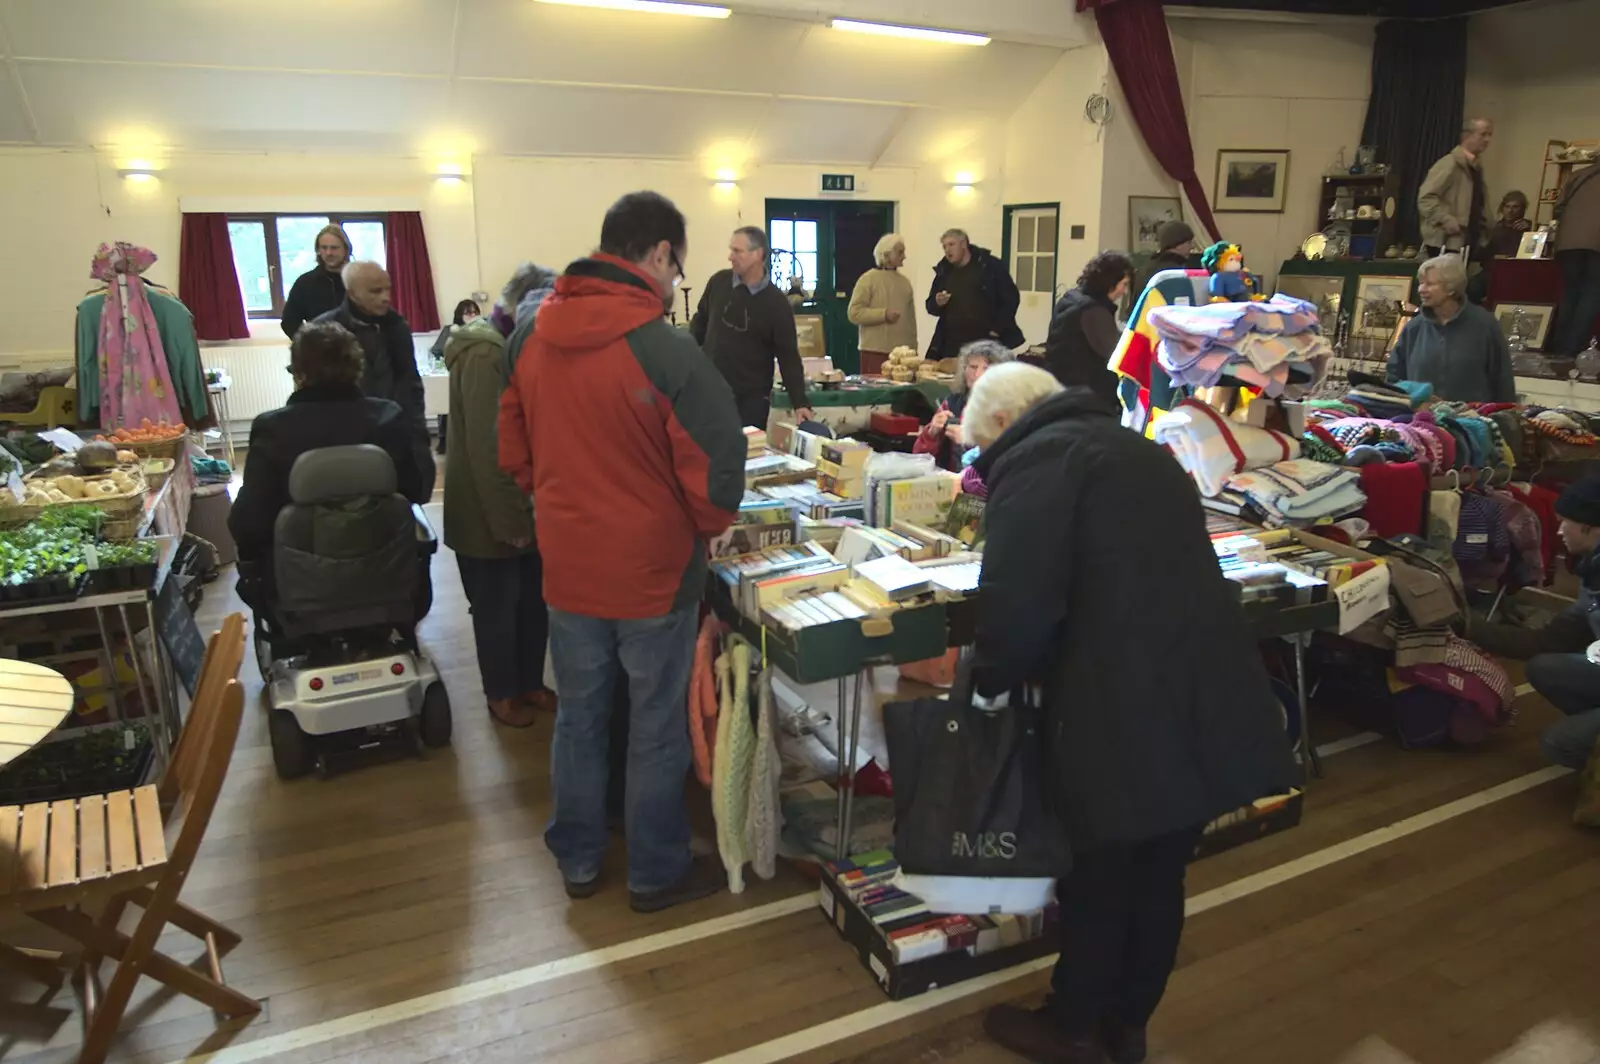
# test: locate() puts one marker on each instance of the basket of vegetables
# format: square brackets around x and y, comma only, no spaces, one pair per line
[118,495]
[45,560]
[161,440]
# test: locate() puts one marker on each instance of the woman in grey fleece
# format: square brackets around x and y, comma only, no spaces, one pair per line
[1454,345]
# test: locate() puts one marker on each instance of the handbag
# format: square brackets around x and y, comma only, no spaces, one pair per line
[971,793]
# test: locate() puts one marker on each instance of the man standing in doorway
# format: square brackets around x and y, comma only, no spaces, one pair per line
[389,367]
[629,442]
[973,296]
[321,288]
[745,324]
[1452,201]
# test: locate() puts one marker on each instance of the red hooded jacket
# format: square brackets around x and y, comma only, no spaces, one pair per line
[629,441]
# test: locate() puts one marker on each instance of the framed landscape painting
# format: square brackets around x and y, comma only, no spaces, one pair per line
[1146,216]
[1251,179]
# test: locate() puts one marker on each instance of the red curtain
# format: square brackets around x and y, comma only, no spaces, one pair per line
[1135,35]
[208,284]
[406,247]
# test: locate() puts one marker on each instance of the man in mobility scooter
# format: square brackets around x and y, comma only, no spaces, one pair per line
[333,560]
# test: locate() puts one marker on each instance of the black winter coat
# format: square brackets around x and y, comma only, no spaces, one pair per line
[1083,336]
[1100,584]
[315,292]
[998,288]
[315,416]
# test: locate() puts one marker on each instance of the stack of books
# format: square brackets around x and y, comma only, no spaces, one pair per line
[842,467]
[755,441]
[768,577]
[924,501]
[1271,566]
[805,499]
[769,467]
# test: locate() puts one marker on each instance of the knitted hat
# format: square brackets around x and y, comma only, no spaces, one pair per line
[1580,502]
[1171,234]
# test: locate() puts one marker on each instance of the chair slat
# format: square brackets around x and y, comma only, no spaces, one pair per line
[10,852]
[63,844]
[91,837]
[35,836]
[152,838]
[121,843]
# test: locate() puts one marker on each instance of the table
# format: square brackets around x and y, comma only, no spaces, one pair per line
[34,700]
[850,409]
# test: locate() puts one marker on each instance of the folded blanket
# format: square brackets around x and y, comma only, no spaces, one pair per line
[1229,323]
[1301,491]
[1212,448]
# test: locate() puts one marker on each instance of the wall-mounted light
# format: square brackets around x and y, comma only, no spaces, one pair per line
[651,7]
[917,33]
[451,174]
[963,182]
[725,181]
[137,174]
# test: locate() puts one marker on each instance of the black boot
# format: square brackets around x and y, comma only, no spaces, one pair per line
[1035,1035]
[1127,1045]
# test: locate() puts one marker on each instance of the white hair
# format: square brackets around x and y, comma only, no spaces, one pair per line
[353,269]
[1004,393]
[886,244]
[1447,270]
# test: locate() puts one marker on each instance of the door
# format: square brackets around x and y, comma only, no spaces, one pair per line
[1030,250]
[830,245]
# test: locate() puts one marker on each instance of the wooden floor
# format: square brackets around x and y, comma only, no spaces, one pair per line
[408,913]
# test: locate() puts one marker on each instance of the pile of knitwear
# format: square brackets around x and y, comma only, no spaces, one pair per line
[1300,492]
[1275,346]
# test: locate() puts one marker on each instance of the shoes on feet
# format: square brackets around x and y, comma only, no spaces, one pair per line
[513,712]
[1127,1045]
[704,878]
[541,701]
[1035,1035]
[579,891]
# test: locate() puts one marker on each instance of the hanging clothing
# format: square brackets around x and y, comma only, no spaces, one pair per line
[175,327]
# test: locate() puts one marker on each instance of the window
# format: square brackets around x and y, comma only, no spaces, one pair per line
[1032,242]
[794,245]
[271,250]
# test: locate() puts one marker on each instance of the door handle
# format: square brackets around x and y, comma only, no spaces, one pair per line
[838,295]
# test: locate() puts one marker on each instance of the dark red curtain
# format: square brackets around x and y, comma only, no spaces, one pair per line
[1135,35]
[406,247]
[208,284]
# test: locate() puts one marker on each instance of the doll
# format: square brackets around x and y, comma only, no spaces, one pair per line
[1230,281]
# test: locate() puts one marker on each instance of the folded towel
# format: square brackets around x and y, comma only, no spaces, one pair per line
[1300,491]
[1212,448]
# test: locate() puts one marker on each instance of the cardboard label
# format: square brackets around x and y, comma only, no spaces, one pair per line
[14,482]
[64,439]
[1363,598]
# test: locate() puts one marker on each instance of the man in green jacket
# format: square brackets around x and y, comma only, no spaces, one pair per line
[488,523]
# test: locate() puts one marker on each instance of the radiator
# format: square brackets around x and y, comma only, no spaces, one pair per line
[258,381]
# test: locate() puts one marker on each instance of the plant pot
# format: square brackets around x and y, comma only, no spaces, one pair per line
[88,763]
[111,578]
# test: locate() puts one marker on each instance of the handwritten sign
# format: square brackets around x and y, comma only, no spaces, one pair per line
[1363,598]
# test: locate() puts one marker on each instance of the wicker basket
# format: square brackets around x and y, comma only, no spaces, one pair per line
[157,477]
[155,449]
[123,513]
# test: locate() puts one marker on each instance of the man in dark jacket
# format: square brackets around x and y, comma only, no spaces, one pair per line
[1101,586]
[321,288]
[1557,667]
[1083,327]
[1177,244]
[745,325]
[1578,252]
[326,409]
[390,367]
[629,441]
[973,297]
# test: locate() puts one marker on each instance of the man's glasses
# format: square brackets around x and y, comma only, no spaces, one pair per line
[676,265]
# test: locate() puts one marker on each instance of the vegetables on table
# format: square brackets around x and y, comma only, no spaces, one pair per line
[53,544]
[145,433]
[97,457]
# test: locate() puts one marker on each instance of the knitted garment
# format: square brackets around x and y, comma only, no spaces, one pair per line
[703,701]
[1444,518]
[1424,422]
[765,821]
[1467,672]
[1560,427]
[1314,447]
[1527,541]
[730,787]
[1395,494]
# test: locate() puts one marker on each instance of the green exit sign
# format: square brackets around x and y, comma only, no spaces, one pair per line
[838,182]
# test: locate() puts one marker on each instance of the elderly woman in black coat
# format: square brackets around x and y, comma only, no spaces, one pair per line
[1101,586]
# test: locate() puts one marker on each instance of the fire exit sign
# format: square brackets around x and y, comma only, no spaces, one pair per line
[838,182]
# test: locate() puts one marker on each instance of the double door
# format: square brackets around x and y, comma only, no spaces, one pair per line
[829,244]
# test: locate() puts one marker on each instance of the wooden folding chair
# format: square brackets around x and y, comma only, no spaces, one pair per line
[109,851]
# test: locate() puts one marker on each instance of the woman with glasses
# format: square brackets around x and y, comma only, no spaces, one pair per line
[883,305]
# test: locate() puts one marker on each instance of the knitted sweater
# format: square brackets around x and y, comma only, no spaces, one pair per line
[730,788]
[876,293]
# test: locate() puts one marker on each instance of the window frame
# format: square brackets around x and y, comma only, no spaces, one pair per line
[269,231]
[1008,253]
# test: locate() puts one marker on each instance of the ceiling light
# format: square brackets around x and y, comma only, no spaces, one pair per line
[652,7]
[137,174]
[914,32]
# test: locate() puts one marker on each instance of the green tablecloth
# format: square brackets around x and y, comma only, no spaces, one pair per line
[891,395]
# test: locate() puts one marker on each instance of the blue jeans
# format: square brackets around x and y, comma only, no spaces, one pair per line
[1571,683]
[656,656]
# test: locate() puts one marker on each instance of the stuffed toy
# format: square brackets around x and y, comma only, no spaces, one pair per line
[1230,281]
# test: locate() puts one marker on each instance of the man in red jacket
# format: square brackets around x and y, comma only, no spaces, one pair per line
[630,443]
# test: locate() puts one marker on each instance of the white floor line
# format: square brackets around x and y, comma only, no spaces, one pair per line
[1349,742]
[825,1034]
[357,1022]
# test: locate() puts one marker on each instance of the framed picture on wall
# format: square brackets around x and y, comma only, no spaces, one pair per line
[1321,291]
[1251,179]
[1146,216]
[1530,321]
[1378,306]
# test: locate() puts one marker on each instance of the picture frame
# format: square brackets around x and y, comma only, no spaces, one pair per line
[1378,306]
[1536,315]
[1323,291]
[1146,216]
[1251,180]
[1533,244]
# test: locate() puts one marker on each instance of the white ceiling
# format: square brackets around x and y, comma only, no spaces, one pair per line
[771,84]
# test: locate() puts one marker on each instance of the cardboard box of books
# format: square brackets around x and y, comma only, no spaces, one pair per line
[921,500]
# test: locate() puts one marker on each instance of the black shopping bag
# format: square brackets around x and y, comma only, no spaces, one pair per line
[971,795]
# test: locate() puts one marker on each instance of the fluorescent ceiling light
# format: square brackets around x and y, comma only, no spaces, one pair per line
[914,32]
[653,7]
